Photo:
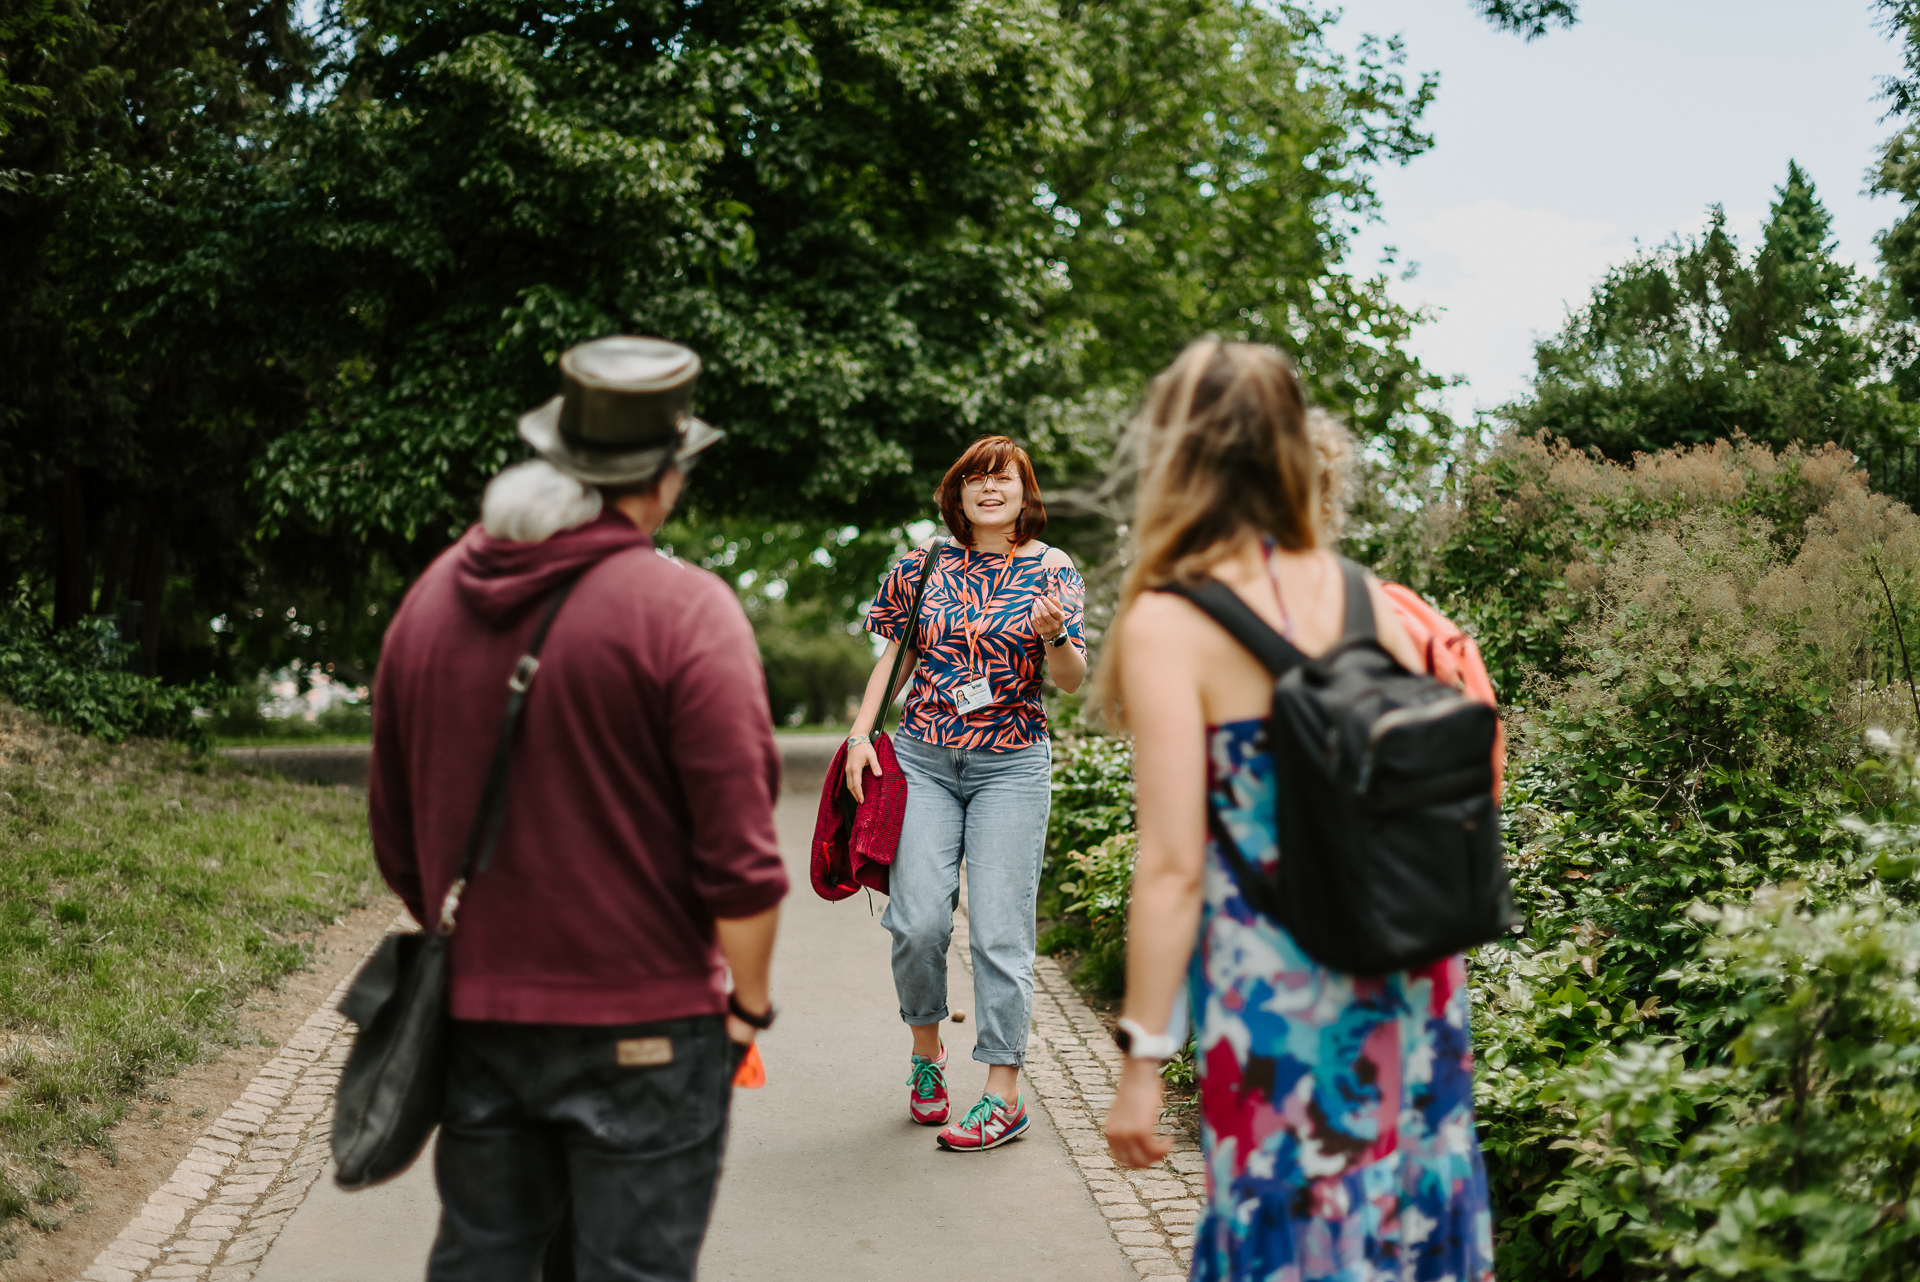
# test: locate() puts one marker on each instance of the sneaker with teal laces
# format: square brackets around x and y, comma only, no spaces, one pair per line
[988,1124]
[927,1098]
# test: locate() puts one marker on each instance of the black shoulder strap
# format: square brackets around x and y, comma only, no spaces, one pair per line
[487,821]
[1359,624]
[913,621]
[1224,606]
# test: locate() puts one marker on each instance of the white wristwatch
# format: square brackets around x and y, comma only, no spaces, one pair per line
[1137,1043]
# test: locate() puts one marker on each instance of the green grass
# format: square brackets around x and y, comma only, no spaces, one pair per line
[288,740]
[145,892]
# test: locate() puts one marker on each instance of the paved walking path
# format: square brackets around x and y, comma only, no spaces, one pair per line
[826,1178]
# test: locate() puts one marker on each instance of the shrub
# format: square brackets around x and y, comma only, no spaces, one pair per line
[1096,888]
[1697,1060]
[1805,1163]
[1089,862]
[1694,646]
[1514,552]
[77,678]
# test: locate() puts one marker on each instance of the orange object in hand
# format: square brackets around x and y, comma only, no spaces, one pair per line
[752,1073]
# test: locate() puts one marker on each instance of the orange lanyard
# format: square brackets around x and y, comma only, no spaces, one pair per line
[980,620]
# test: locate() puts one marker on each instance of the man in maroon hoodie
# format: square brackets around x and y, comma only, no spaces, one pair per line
[595,1032]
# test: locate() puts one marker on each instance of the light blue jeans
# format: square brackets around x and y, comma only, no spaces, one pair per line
[992,807]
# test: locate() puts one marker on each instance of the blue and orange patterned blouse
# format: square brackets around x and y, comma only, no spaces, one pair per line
[976,622]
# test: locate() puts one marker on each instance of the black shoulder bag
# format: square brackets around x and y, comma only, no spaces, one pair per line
[1389,833]
[388,1101]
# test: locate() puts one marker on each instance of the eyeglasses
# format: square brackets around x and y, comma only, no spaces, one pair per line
[978,480]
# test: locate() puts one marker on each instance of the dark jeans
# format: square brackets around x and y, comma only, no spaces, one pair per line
[543,1126]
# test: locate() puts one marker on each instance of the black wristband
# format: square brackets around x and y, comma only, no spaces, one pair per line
[739,1012]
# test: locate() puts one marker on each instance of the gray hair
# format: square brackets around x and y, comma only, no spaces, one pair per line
[1333,444]
[533,501]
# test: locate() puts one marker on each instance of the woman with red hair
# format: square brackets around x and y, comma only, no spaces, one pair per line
[1001,610]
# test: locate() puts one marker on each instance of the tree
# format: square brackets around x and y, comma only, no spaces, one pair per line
[814,197]
[268,307]
[1695,342]
[1226,156]
[1530,18]
[138,380]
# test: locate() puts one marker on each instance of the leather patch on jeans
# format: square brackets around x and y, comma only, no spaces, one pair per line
[644,1052]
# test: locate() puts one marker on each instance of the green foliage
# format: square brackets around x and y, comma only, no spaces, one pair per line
[820,199]
[802,584]
[1224,155]
[1090,850]
[1092,793]
[1095,885]
[1694,342]
[244,716]
[1516,550]
[145,894]
[78,678]
[1694,646]
[272,298]
[1530,18]
[1792,1157]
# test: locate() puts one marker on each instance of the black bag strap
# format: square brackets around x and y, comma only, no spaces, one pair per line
[1359,623]
[1277,654]
[1224,606]
[492,814]
[906,636]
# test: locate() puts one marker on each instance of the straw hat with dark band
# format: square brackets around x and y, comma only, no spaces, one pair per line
[625,409]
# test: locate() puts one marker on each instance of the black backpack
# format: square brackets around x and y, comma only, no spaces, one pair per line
[1389,833]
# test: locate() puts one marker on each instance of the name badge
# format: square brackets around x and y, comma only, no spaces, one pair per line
[972,696]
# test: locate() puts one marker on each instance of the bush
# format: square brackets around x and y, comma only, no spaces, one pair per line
[245,714]
[1803,1157]
[1694,646]
[1089,862]
[77,678]
[1697,1060]
[813,673]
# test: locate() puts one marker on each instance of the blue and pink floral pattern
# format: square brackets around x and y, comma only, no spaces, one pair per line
[976,592]
[1336,1111]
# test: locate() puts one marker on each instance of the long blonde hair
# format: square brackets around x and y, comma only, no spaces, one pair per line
[1223,452]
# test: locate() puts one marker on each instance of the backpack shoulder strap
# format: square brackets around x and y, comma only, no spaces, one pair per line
[1359,624]
[1223,605]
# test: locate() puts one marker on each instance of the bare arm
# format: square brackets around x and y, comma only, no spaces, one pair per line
[1160,681]
[747,943]
[1066,664]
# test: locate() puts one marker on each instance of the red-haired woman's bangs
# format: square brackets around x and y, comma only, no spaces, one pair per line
[984,457]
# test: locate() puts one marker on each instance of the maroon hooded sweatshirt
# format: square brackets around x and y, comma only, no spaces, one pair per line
[641,792]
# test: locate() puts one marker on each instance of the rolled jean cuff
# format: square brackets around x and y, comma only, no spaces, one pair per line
[938,1018]
[1004,1059]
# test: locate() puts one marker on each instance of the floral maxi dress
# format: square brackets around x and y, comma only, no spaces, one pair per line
[1336,1110]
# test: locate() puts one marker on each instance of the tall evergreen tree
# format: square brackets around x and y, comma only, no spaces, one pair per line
[1695,341]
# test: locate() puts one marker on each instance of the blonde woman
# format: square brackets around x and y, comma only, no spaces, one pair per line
[1336,1111]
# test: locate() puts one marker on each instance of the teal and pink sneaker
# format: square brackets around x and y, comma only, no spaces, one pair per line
[988,1124]
[927,1101]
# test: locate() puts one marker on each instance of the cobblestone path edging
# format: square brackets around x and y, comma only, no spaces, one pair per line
[1073,1066]
[226,1202]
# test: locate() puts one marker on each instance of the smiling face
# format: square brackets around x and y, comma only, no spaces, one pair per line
[992,500]
[991,489]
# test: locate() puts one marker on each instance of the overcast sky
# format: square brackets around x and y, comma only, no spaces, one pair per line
[1552,159]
